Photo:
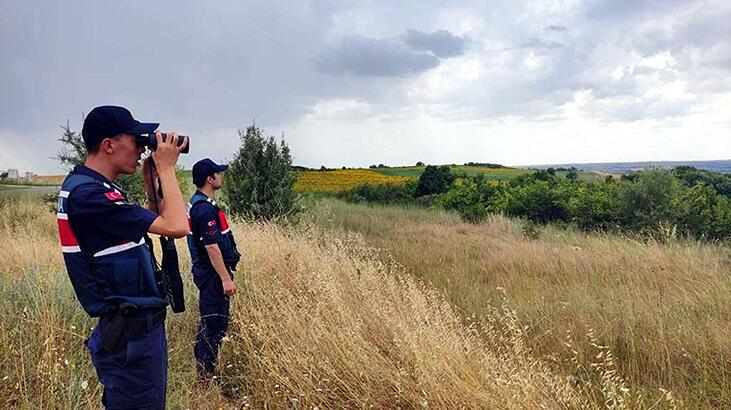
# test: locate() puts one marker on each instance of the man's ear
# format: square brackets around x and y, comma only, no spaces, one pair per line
[107,146]
[211,178]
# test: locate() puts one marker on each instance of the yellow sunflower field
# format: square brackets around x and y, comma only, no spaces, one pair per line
[342,180]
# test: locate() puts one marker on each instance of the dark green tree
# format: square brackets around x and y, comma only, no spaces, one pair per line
[467,198]
[258,183]
[648,200]
[690,176]
[704,213]
[434,180]
[594,206]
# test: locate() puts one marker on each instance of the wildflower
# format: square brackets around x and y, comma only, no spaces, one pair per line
[84,385]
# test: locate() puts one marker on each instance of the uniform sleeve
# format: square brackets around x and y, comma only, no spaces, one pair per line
[205,219]
[110,212]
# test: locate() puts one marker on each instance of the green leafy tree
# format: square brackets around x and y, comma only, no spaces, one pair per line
[690,176]
[434,180]
[594,206]
[73,150]
[704,213]
[539,196]
[258,183]
[647,201]
[540,201]
[466,197]
[382,193]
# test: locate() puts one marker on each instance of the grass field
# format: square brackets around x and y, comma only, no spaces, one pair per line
[30,191]
[323,320]
[403,307]
[663,309]
[49,179]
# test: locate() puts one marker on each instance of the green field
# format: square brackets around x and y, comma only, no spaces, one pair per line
[25,190]
[502,174]
[493,173]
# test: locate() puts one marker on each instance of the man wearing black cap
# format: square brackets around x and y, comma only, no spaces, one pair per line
[214,255]
[108,258]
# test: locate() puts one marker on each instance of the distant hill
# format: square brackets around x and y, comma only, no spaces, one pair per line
[624,167]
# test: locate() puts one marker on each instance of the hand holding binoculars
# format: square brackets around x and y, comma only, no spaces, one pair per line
[150,140]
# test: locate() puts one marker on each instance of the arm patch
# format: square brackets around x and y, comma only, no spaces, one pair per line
[114,196]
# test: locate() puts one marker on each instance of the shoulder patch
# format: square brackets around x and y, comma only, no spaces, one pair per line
[114,196]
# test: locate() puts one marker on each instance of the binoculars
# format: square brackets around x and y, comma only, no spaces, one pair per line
[149,140]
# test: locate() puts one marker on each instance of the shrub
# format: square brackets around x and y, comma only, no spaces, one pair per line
[704,213]
[465,197]
[258,183]
[648,200]
[594,206]
[538,197]
[382,193]
[434,180]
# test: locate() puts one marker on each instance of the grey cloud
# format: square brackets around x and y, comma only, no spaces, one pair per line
[441,42]
[540,45]
[553,27]
[367,57]
[634,109]
[629,9]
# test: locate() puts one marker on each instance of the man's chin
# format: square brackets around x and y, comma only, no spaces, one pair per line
[131,170]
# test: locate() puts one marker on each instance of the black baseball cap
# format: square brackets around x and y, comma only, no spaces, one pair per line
[205,168]
[106,121]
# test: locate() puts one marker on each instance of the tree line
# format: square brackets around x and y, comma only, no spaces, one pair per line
[682,201]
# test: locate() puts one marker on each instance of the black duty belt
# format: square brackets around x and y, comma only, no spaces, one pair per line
[119,327]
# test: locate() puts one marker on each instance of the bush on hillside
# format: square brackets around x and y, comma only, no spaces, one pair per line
[654,202]
[702,212]
[540,197]
[381,193]
[594,206]
[467,197]
[649,200]
[434,180]
[690,176]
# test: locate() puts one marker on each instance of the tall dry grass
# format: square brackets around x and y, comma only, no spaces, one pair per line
[663,308]
[321,321]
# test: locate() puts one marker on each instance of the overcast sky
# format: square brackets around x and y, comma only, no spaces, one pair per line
[367,82]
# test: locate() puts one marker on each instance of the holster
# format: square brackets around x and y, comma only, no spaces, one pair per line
[124,324]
